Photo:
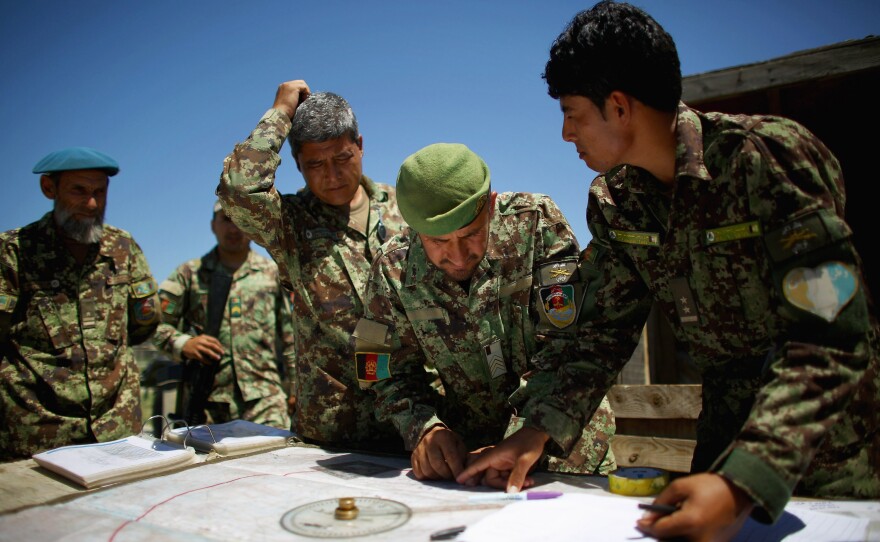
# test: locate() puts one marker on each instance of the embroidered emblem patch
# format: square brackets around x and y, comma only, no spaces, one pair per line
[372,366]
[144,288]
[145,311]
[558,304]
[823,290]
[235,307]
[494,358]
[168,306]
[7,302]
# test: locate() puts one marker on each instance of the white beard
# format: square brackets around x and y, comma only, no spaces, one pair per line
[84,231]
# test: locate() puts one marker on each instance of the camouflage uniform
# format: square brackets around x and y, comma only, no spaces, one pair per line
[493,355]
[256,321]
[68,374]
[325,263]
[790,386]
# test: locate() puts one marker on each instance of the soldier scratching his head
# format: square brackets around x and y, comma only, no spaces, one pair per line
[323,238]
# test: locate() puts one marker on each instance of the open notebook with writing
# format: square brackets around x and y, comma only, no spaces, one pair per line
[104,463]
[237,437]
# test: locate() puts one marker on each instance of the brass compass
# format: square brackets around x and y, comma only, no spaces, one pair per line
[346,517]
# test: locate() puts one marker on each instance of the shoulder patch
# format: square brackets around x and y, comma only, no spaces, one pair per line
[557,272]
[823,290]
[558,304]
[7,302]
[372,366]
[797,237]
[143,288]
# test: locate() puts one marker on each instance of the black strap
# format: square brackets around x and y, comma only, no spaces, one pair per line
[201,376]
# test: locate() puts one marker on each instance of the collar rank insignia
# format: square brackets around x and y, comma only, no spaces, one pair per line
[558,304]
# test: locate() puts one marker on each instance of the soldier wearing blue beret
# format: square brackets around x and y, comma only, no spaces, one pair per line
[733,227]
[75,295]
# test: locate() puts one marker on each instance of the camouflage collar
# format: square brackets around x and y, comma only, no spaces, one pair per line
[689,144]
[374,193]
[211,260]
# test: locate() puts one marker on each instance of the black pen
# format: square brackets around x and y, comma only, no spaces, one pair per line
[447,534]
[662,509]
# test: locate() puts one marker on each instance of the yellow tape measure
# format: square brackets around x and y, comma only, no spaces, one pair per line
[637,481]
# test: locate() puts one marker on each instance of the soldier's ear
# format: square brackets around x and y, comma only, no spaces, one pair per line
[48,186]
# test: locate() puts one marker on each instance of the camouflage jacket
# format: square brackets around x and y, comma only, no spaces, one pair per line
[68,374]
[325,263]
[256,321]
[751,262]
[501,349]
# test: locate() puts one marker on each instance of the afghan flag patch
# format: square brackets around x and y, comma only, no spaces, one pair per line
[372,366]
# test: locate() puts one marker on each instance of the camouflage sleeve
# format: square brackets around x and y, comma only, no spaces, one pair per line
[247,183]
[822,349]
[570,378]
[614,306]
[9,290]
[285,332]
[170,336]
[404,397]
[143,303]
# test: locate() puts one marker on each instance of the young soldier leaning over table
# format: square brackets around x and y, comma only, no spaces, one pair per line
[734,227]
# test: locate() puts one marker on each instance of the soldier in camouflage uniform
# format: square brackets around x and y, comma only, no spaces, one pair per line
[734,226]
[484,291]
[323,239]
[75,295]
[254,346]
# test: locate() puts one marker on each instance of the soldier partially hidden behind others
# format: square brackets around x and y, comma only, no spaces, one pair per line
[252,347]
[75,295]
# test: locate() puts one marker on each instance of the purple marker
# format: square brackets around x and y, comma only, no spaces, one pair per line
[524,496]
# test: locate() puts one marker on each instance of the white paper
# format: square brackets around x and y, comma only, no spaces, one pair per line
[590,517]
[102,463]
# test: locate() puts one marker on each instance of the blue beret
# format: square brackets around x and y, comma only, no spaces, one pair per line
[77,158]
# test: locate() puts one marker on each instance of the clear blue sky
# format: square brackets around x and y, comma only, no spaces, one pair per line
[168,88]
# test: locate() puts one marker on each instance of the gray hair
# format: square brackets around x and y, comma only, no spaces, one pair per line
[321,116]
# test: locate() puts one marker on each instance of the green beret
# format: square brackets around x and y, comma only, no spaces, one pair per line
[442,188]
[76,158]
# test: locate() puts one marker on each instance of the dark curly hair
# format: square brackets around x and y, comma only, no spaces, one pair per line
[615,46]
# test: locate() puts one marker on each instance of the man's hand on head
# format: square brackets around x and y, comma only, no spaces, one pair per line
[289,95]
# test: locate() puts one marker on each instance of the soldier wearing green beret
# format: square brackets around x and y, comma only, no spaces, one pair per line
[323,239]
[484,293]
[253,347]
[733,227]
[75,295]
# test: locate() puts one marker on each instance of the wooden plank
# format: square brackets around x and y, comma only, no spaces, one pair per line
[662,453]
[813,64]
[656,401]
